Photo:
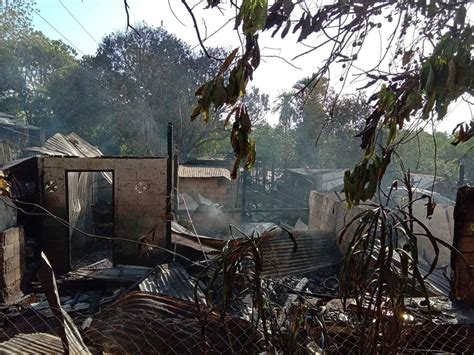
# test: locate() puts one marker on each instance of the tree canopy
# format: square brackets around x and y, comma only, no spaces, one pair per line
[430,67]
[120,98]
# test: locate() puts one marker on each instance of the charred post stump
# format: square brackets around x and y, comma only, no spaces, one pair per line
[463,287]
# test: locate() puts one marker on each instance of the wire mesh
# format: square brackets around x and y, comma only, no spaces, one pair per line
[256,316]
[144,323]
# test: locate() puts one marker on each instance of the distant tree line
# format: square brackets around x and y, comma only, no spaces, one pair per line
[122,97]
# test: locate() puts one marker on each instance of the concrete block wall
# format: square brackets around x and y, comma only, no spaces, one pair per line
[12,264]
[8,214]
[441,224]
[328,214]
[464,242]
[139,199]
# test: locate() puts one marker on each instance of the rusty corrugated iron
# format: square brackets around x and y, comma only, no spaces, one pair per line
[36,343]
[283,255]
[305,251]
[70,145]
[185,171]
[67,331]
[151,323]
[172,280]
[127,273]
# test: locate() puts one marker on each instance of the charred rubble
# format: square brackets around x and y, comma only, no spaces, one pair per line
[144,255]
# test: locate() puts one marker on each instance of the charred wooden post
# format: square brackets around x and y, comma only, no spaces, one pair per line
[169,186]
[463,241]
[175,183]
[243,206]
[273,173]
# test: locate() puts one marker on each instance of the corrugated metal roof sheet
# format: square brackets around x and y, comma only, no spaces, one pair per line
[309,251]
[326,179]
[202,172]
[172,280]
[70,145]
[217,241]
[9,120]
[36,343]
[14,163]
[129,273]
[7,115]
[308,171]
[183,236]
[191,243]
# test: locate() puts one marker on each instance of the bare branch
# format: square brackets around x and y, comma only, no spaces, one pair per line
[128,18]
[281,58]
[176,17]
[198,33]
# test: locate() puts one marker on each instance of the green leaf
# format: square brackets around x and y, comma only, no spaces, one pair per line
[253,15]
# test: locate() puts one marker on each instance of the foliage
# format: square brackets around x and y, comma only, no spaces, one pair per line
[276,146]
[427,154]
[234,283]
[30,63]
[423,85]
[323,123]
[381,266]
[218,92]
[15,19]
[151,78]
[79,104]
[257,105]
[333,122]
[121,99]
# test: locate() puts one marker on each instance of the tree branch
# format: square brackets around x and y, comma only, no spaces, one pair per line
[191,13]
[128,18]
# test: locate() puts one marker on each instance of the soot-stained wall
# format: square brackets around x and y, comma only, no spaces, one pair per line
[139,200]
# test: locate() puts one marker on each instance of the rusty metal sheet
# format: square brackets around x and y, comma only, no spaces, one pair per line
[36,343]
[185,171]
[129,273]
[172,280]
[67,332]
[70,145]
[308,251]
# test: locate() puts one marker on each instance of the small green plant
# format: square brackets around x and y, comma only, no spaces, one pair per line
[381,266]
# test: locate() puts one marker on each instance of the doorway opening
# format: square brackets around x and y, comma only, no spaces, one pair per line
[90,201]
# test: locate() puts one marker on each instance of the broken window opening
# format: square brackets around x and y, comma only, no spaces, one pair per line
[90,198]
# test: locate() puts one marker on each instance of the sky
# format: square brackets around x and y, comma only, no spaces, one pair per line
[84,23]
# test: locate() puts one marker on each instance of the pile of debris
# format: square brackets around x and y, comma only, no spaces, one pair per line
[215,288]
[288,303]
